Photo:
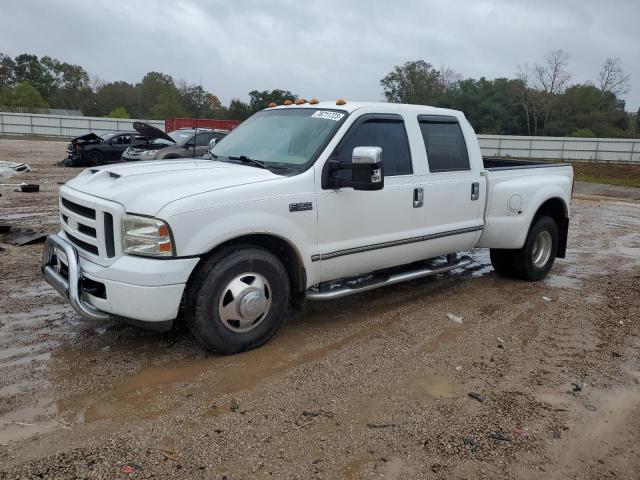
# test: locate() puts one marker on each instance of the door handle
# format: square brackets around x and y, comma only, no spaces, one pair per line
[475,191]
[418,197]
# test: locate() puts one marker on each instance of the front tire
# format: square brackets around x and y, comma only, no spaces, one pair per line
[534,260]
[237,299]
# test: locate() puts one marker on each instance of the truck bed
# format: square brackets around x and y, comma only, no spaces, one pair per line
[499,163]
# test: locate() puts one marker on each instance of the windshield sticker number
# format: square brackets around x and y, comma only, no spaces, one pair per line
[335,116]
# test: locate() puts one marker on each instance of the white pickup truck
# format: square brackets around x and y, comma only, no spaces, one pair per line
[299,201]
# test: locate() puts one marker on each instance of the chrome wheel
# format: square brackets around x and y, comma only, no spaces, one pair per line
[542,249]
[245,302]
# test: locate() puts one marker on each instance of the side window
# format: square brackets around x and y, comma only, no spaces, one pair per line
[446,148]
[122,140]
[388,134]
[202,139]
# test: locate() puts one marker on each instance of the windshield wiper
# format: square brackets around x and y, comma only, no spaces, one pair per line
[248,161]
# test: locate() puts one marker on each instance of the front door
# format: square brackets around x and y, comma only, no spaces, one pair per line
[362,231]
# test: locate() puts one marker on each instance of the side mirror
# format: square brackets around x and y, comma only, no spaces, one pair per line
[212,143]
[366,168]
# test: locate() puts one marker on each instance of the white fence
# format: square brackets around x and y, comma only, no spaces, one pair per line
[63,125]
[608,150]
[605,150]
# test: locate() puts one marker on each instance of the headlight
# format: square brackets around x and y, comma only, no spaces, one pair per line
[146,236]
[148,154]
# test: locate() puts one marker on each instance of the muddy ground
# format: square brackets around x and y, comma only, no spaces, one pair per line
[374,386]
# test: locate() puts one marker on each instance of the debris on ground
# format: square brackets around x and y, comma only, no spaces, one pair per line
[476,396]
[499,436]
[380,425]
[317,413]
[19,238]
[469,441]
[130,468]
[9,169]
[454,318]
[591,408]
[577,387]
[546,299]
[234,405]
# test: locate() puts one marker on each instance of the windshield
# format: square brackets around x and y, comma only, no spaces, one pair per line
[292,136]
[180,136]
[107,136]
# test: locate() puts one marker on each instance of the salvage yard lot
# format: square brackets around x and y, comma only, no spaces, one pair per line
[374,385]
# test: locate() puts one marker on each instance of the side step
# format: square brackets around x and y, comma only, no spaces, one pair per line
[339,292]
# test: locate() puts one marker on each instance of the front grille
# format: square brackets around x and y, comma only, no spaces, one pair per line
[83,245]
[90,226]
[79,209]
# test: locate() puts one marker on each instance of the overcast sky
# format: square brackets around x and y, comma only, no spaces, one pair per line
[323,49]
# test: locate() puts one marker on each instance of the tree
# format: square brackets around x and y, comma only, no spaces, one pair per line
[26,96]
[414,82]
[119,112]
[29,69]
[109,96]
[168,105]
[156,88]
[552,75]
[259,100]
[238,110]
[612,78]
[7,66]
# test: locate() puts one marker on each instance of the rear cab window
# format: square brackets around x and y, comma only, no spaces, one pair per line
[445,143]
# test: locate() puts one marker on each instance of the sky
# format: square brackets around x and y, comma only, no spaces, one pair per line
[325,49]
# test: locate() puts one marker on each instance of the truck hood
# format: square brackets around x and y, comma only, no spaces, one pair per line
[146,187]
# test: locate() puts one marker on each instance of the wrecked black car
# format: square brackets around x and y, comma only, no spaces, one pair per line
[91,149]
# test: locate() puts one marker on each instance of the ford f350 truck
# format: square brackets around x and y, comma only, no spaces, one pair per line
[309,200]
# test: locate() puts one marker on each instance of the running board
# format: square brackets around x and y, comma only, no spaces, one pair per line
[339,292]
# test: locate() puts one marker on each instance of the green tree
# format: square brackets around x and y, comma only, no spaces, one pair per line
[259,100]
[238,110]
[117,94]
[119,112]
[26,96]
[28,68]
[168,105]
[7,66]
[414,82]
[157,92]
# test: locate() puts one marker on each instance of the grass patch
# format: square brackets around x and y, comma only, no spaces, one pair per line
[609,173]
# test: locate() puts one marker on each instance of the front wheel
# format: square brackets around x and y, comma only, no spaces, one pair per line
[534,260]
[237,299]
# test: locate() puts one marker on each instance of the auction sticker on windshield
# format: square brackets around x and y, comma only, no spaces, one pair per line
[335,116]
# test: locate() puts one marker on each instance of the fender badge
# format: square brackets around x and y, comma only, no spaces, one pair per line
[300,207]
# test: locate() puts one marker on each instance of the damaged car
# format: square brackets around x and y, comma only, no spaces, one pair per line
[92,149]
[181,143]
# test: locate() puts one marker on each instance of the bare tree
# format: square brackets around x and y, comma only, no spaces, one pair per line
[612,78]
[552,75]
[449,77]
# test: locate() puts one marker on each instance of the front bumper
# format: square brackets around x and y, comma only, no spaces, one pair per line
[98,293]
[68,287]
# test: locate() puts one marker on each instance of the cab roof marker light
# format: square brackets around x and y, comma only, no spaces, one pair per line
[313,101]
[272,104]
[288,102]
[341,101]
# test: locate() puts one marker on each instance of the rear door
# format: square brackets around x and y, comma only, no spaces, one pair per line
[453,190]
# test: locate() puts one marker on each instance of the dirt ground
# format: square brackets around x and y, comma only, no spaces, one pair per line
[373,386]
